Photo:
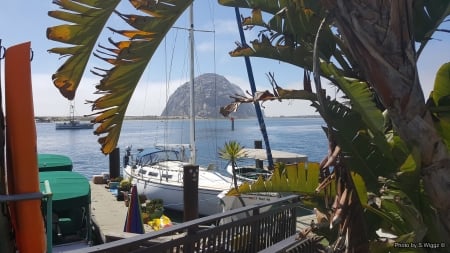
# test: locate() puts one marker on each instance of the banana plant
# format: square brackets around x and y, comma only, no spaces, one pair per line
[375,170]
[128,58]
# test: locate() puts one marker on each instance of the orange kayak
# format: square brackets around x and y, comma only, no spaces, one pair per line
[21,148]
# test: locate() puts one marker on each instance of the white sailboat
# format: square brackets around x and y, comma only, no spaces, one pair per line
[158,172]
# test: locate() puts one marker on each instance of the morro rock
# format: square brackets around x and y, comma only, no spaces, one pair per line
[211,92]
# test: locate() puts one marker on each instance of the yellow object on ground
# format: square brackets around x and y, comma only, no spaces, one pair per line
[160,223]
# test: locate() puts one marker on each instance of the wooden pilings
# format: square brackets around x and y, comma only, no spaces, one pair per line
[190,193]
[259,163]
[114,163]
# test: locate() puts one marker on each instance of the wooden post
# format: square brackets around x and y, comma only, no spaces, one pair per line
[190,193]
[259,163]
[190,198]
[232,123]
[114,163]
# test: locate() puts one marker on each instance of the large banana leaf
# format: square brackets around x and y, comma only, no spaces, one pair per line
[289,35]
[362,101]
[87,19]
[129,58]
[357,143]
[298,178]
[439,102]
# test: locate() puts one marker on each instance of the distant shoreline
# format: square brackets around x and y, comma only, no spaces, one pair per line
[152,117]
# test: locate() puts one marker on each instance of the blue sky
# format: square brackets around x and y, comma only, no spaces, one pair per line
[168,69]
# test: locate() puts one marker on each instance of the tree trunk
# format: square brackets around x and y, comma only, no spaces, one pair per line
[233,168]
[380,35]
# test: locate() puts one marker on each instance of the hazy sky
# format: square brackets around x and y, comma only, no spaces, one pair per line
[22,21]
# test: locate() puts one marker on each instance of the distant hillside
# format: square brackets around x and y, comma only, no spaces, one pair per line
[211,92]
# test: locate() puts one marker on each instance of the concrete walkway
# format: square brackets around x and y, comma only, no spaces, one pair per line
[108,214]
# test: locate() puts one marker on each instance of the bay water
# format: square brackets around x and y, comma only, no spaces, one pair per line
[302,135]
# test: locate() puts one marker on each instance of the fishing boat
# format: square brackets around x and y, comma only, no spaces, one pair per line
[71,198]
[72,123]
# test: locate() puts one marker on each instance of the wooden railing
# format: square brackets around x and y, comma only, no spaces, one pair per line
[256,232]
[292,245]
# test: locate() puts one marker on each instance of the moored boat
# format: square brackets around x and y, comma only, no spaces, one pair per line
[293,175]
[73,124]
[253,167]
[158,173]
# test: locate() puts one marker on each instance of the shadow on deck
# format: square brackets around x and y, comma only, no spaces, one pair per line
[273,230]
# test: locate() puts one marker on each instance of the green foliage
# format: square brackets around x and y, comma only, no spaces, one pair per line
[231,151]
[385,171]
[125,185]
[439,102]
[298,178]
[362,155]
[154,208]
[289,35]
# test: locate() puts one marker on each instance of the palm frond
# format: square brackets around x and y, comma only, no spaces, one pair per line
[129,60]
[87,19]
[231,151]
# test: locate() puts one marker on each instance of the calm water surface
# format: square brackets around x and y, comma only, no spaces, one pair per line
[298,135]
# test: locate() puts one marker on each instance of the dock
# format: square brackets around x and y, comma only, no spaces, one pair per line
[108,214]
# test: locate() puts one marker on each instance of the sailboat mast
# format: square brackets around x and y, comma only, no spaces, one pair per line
[191,91]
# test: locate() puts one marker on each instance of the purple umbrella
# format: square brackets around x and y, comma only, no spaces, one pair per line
[133,221]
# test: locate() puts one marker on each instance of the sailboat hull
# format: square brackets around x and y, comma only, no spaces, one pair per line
[165,181]
[172,197]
